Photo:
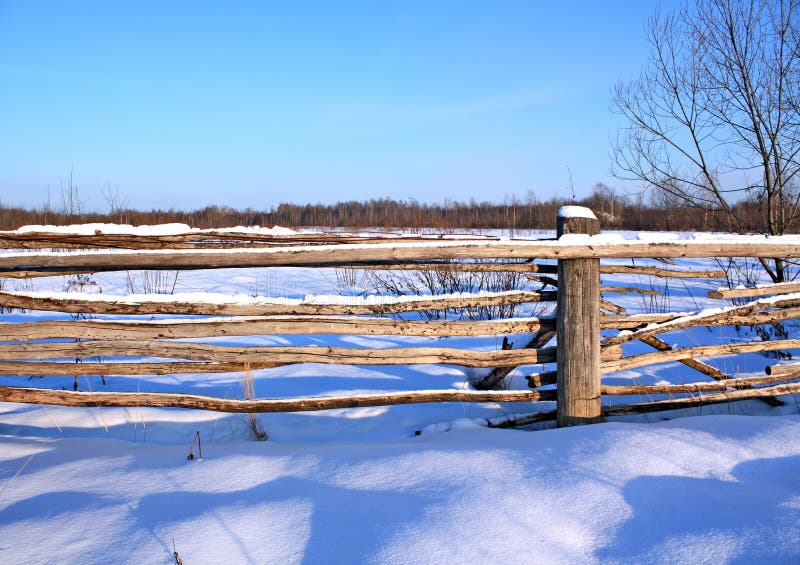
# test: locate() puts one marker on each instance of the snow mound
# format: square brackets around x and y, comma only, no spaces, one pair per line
[711,489]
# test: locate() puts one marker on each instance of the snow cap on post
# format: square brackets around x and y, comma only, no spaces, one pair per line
[575,212]
[575,220]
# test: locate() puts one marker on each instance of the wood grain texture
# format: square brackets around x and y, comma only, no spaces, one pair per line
[693,352]
[765,290]
[210,239]
[467,266]
[578,332]
[46,369]
[656,406]
[701,400]
[723,385]
[271,325]
[330,255]
[660,272]
[275,355]
[101,305]
[171,400]
[536,380]
[783,369]
[750,314]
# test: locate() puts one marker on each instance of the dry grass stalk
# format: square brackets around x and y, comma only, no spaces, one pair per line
[254,424]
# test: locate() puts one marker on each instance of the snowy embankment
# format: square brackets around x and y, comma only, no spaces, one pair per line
[401,484]
[709,489]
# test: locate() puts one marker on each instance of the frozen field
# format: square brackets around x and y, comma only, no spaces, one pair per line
[425,483]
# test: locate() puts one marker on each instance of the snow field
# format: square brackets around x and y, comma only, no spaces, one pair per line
[711,489]
[360,486]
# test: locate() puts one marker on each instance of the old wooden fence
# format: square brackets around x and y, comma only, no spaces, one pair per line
[582,357]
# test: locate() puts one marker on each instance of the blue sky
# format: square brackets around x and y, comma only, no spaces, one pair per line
[251,104]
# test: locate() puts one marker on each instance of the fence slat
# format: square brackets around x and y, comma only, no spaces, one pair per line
[701,400]
[743,383]
[764,290]
[208,239]
[660,272]
[40,368]
[246,326]
[745,315]
[171,400]
[693,352]
[332,255]
[229,306]
[278,355]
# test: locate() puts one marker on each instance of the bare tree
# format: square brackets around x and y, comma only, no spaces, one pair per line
[116,202]
[71,204]
[714,116]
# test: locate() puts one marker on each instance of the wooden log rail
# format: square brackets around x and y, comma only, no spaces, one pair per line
[265,325]
[171,400]
[784,369]
[752,313]
[742,316]
[296,325]
[224,358]
[702,400]
[220,305]
[718,386]
[646,359]
[657,405]
[228,356]
[456,266]
[46,369]
[762,290]
[343,254]
[207,239]
[469,266]
[660,272]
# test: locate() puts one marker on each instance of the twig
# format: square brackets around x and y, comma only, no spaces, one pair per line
[199,447]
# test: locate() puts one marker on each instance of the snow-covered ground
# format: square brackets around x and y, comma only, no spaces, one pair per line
[421,483]
[710,489]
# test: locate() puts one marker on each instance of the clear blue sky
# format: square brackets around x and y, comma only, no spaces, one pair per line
[251,104]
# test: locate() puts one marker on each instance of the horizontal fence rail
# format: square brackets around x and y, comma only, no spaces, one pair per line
[227,306]
[333,255]
[277,355]
[450,265]
[267,325]
[209,239]
[168,400]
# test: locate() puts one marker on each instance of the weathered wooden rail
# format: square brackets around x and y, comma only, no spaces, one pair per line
[582,357]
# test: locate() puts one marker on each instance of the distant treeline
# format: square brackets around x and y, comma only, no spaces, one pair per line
[615,210]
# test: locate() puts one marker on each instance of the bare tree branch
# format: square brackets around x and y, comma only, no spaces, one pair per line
[714,115]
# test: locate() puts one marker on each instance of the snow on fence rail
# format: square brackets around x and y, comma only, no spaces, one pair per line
[581,357]
[216,305]
[576,246]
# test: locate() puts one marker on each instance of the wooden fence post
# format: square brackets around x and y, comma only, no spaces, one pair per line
[578,326]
